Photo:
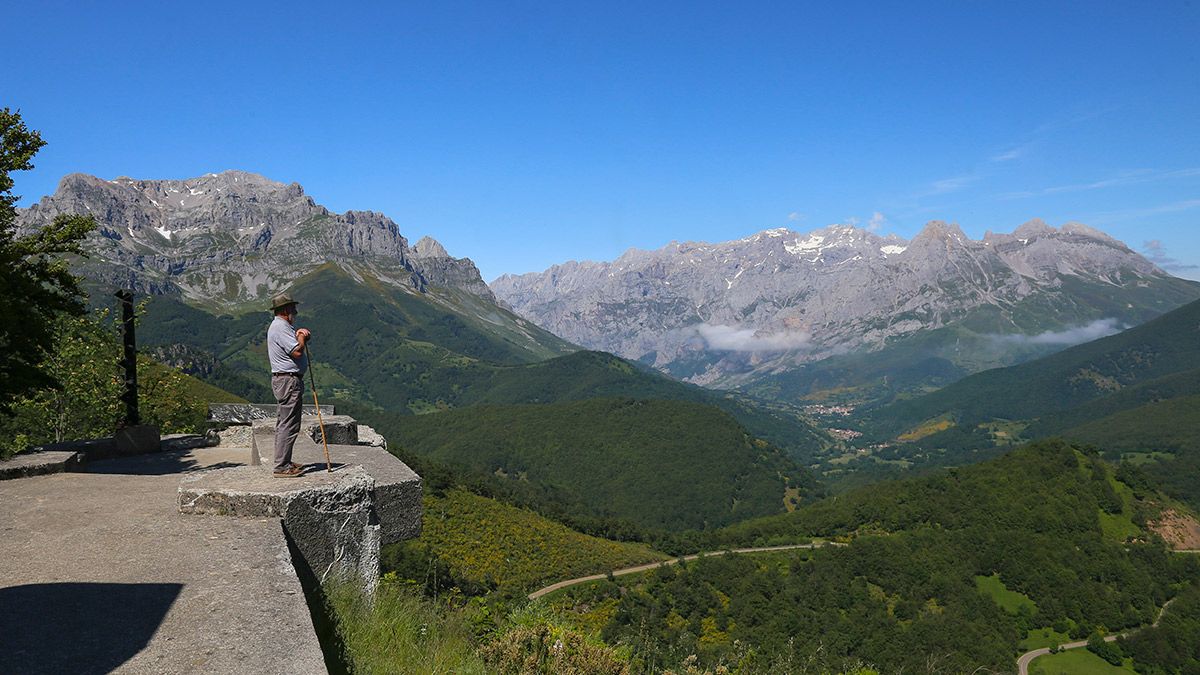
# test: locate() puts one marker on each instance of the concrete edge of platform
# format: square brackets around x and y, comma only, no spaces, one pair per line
[41,463]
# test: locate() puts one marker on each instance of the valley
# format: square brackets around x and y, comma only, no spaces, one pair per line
[916,444]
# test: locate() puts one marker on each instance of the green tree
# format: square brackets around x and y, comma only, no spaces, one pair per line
[1108,651]
[85,402]
[36,286]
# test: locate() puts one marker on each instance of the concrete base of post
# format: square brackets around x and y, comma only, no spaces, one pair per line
[137,440]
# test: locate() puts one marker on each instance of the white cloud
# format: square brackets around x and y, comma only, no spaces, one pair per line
[947,185]
[877,221]
[1010,154]
[1071,336]
[1156,254]
[734,339]
[796,216]
[1125,178]
[1173,207]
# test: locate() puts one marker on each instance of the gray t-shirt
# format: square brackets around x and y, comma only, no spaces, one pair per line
[281,340]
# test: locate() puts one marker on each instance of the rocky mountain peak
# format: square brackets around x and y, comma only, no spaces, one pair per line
[1034,228]
[938,230]
[1081,230]
[233,237]
[428,247]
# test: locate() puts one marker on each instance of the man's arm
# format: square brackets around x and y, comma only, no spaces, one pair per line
[302,339]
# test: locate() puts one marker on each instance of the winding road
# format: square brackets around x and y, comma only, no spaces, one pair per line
[1028,657]
[1023,662]
[649,566]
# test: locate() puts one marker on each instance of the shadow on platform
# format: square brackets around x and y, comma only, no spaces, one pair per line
[79,627]
[155,464]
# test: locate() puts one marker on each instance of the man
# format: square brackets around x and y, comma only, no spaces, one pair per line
[285,348]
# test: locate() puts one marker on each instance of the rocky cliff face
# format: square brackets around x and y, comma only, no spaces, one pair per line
[779,299]
[233,238]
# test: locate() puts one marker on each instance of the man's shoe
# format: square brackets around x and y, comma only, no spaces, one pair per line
[292,471]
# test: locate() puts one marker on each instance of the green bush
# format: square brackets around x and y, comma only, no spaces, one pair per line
[401,632]
[550,650]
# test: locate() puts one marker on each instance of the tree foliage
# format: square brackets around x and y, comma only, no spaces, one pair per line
[36,286]
[1108,651]
[660,464]
[904,594]
[85,402]
[1173,645]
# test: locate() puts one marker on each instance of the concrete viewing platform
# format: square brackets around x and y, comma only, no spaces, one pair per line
[179,561]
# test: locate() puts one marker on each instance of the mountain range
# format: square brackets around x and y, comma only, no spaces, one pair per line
[406,330]
[785,315]
[840,313]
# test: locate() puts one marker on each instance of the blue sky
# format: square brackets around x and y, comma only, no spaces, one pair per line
[524,134]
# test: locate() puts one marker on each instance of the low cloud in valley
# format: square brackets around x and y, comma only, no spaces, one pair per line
[734,339]
[1070,336]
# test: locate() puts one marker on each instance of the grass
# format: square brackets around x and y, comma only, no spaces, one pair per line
[1010,601]
[1004,432]
[1074,662]
[927,428]
[1042,637]
[1143,458]
[1119,526]
[402,632]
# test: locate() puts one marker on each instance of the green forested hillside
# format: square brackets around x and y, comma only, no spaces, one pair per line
[1176,385]
[1042,488]
[1132,394]
[480,544]
[399,351]
[587,374]
[1051,385]
[953,569]
[1161,437]
[660,464]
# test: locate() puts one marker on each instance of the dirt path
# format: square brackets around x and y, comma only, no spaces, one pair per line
[649,566]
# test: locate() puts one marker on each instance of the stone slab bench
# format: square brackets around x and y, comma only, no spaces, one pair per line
[250,492]
[29,464]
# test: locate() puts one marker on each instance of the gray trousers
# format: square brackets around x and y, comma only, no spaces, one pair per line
[288,391]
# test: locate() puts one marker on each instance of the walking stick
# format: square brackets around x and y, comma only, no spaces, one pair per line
[312,378]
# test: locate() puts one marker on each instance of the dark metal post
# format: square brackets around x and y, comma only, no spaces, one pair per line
[129,362]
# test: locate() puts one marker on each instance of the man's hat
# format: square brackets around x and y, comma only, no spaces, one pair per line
[282,300]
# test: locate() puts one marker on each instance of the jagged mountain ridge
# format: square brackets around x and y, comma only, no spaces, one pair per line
[232,238]
[736,312]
